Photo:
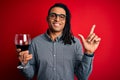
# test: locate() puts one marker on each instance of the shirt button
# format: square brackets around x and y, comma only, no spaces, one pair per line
[54,55]
[54,69]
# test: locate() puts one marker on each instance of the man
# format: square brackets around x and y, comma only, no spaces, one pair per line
[57,54]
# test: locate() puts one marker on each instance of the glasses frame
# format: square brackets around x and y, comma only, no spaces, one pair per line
[54,16]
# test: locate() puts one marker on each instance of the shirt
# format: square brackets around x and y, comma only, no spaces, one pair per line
[52,60]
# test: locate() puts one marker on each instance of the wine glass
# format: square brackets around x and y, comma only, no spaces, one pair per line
[22,41]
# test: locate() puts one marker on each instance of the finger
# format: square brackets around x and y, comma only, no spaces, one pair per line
[29,57]
[94,38]
[90,37]
[20,59]
[98,40]
[27,52]
[82,37]
[22,54]
[25,55]
[18,50]
[92,29]
[25,59]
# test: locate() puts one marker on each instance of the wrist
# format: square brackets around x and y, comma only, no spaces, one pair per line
[89,52]
[23,63]
[23,66]
[90,55]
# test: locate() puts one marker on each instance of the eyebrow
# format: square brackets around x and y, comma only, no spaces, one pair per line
[55,13]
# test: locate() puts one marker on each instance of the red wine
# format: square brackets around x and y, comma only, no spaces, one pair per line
[22,47]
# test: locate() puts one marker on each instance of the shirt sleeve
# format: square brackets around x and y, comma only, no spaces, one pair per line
[83,64]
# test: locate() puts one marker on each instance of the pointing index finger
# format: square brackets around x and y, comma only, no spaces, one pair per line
[92,29]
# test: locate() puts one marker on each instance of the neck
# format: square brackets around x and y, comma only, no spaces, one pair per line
[54,35]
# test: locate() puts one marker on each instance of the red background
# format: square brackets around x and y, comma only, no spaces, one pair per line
[29,16]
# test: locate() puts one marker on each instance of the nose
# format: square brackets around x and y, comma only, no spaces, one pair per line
[57,18]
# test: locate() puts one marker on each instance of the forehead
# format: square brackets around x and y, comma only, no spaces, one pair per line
[58,10]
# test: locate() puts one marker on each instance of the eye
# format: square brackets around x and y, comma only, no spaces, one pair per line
[62,16]
[52,15]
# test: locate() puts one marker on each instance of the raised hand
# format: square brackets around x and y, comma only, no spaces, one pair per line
[92,42]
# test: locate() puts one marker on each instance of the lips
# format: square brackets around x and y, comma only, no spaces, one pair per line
[56,24]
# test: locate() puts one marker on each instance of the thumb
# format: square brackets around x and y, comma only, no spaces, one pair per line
[82,37]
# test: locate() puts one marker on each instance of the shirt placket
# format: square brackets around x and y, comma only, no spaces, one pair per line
[54,60]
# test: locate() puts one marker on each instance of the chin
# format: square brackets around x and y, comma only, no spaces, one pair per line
[56,30]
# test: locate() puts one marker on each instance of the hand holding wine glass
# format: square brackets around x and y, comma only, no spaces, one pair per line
[22,42]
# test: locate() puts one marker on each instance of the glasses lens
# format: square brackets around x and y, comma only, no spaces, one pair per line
[62,16]
[54,16]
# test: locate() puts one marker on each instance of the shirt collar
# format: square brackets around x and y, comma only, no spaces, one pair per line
[48,37]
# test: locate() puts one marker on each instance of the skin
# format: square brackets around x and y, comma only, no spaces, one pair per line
[92,42]
[56,27]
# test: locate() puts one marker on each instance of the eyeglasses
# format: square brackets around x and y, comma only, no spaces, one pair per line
[53,16]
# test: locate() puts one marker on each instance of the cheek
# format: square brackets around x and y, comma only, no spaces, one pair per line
[64,23]
[50,22]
